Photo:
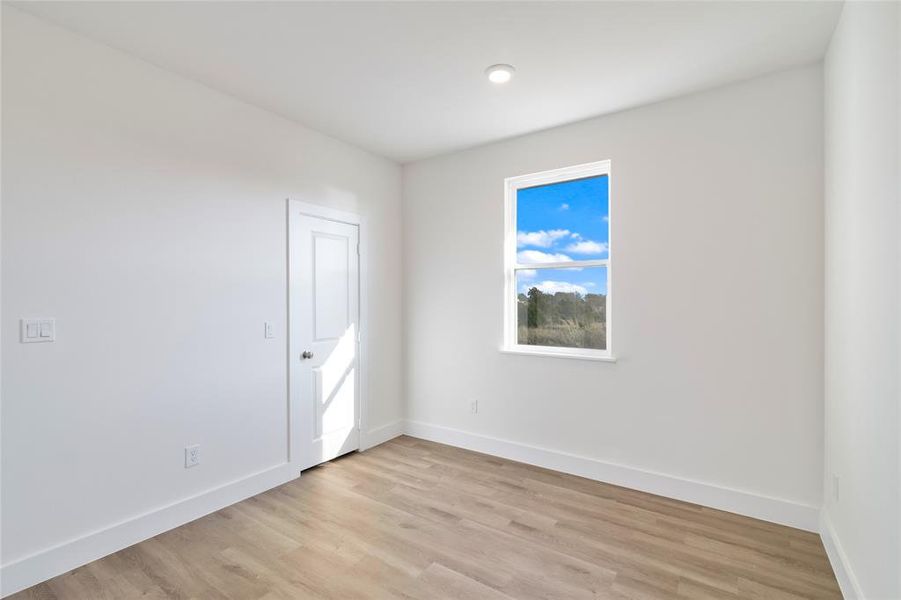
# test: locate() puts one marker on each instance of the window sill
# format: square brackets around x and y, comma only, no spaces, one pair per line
[569,355]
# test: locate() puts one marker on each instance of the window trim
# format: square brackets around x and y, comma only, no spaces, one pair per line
[511,186]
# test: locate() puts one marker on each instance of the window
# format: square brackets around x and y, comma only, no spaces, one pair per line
[558,263]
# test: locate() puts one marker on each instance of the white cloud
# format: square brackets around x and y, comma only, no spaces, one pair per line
[587,247]
[606,218]
[552,287]
[526,273]
[564,206]
[537,256]
[542,239]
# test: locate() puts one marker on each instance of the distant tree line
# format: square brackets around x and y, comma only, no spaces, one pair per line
[566,319]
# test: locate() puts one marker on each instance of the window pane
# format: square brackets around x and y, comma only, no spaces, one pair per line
[562,307]
[563,221]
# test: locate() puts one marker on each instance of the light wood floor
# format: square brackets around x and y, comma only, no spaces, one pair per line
[414,519]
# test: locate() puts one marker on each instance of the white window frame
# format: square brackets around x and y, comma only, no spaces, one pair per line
[512,185]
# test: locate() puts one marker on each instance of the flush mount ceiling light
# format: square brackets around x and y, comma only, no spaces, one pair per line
[500,73]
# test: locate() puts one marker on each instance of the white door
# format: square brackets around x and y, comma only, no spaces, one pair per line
[324,301]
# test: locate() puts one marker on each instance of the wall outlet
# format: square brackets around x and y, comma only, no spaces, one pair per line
[192,456]
[835,482]
[268,330]
[474,406]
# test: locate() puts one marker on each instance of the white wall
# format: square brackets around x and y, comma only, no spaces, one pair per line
[862,298]
[146,213]
[718,227]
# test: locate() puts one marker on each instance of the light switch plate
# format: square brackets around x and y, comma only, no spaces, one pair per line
[268,330]
[38,330]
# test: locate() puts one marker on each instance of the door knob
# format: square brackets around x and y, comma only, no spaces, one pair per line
[306,354]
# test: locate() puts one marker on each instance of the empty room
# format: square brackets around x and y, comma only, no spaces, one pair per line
[450,300]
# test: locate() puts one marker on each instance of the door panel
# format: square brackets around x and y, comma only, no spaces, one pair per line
[331,307]
[324,302]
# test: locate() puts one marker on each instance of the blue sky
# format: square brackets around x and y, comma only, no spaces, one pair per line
[560,222]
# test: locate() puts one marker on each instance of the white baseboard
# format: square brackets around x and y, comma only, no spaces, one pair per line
[43,565]
[839,560]
[382,434]
[774,510]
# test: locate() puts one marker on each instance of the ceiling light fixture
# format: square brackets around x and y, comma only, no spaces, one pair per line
[500,73]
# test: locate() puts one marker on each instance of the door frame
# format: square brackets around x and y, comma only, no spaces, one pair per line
[295,209]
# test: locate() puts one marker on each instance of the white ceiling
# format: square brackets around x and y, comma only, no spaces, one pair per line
[405,79]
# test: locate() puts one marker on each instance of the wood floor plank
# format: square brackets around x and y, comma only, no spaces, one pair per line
[414,520]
